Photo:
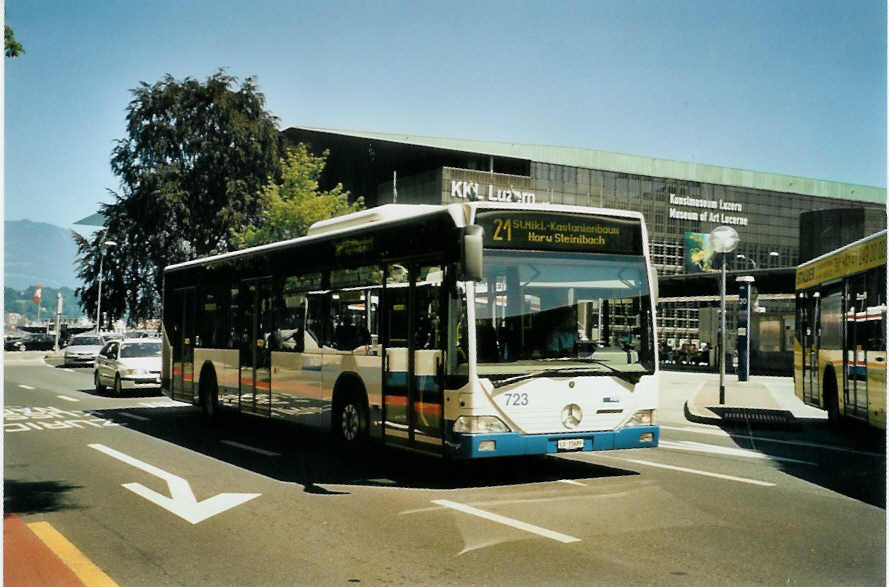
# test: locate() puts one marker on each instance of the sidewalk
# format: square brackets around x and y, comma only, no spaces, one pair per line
[28,561]
[762,401]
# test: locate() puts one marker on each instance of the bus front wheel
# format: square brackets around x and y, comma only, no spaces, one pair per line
[350,419]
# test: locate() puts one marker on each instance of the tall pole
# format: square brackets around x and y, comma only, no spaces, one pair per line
[723,239]
[722,333]
[99,303]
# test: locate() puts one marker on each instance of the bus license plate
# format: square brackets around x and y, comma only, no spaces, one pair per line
[570,444]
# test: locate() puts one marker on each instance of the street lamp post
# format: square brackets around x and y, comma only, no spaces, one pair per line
[99,302]
[724,239]
[739,256]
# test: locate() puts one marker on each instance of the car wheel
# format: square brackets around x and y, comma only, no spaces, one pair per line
[118,388]
[99,387]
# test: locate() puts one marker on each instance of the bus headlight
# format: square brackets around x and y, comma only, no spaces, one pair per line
[642,418]
[479,425]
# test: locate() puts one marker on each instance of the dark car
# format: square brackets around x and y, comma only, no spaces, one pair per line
[37,342]
[13,343]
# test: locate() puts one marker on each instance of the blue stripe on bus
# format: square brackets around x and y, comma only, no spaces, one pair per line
[466,446]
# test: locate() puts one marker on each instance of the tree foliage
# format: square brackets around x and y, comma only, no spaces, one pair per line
[194,161]
[291,205]
[13,48]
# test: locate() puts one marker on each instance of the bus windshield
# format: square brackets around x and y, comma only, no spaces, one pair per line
[552,311]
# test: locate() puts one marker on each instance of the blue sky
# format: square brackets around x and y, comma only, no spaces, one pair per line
[790,87]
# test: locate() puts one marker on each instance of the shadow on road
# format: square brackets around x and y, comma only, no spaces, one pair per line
[850,460]
[35,497]
[109,392]
[308,457]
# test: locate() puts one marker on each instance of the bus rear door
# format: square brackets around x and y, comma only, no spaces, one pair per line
[182,334]
[255,356]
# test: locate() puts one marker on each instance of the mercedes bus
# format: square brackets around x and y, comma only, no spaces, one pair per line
[464,330]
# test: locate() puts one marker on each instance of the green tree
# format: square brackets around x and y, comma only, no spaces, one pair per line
[13,47]
[291,205]
[196,156]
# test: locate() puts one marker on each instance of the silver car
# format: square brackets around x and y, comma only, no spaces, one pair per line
[131,363]
[82,350]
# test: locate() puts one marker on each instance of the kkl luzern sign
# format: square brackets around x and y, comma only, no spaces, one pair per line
[713,210]
[469,190]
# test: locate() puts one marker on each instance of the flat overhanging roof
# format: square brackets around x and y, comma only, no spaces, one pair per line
[632,164]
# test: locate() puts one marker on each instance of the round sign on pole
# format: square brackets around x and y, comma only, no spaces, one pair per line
[724,239]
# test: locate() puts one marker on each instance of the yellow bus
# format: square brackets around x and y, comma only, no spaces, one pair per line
[839,352]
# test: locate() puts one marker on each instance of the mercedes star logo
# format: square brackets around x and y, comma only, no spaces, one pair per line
[571,416]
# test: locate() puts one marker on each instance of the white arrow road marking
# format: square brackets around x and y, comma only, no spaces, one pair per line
[182,501]
[725,450]
[697,472]
[507,521]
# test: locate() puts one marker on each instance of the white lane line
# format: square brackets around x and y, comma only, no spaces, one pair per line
[724,434]
[67,399]
[698,430]
[687,445]
[572,482]
[261,451]
[23,386]
[134,416]
[697,472]
[506,521]
[161,404]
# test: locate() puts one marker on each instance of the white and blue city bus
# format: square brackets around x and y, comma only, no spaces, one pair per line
[465,330]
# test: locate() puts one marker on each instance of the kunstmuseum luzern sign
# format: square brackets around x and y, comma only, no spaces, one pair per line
[563,232]
[719,211]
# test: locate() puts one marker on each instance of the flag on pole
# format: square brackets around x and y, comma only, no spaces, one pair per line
[38,293]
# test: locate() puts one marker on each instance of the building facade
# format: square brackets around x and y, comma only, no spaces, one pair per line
[681,201]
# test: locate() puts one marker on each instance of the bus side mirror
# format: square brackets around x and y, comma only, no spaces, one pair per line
[471,266]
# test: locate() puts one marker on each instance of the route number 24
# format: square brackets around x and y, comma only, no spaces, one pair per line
[516,399]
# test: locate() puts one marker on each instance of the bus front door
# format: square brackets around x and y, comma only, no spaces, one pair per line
[413,342]
[255,355]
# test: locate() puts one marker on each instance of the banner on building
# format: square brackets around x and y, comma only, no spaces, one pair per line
[699,254]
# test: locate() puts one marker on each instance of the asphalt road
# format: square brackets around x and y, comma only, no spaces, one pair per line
[154,496]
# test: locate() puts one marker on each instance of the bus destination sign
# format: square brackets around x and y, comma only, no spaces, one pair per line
[518,229]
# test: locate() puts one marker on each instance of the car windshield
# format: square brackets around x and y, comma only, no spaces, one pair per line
[141,349]
[86,341]
[544,312]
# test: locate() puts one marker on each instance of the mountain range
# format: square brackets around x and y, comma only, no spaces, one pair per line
[37,252]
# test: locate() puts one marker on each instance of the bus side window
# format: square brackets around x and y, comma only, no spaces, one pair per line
[315,317]
[876,310]
[291,311]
